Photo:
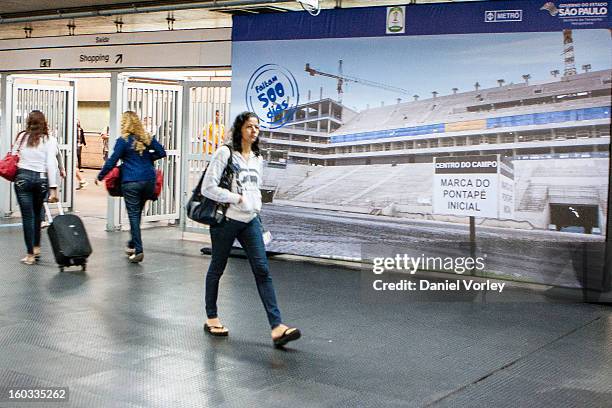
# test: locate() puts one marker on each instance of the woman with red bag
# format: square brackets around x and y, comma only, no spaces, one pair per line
[137,151]
[37,176]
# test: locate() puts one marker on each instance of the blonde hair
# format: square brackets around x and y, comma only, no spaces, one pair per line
[131,125]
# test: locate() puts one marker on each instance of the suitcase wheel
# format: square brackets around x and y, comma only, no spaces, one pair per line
[84,267]
[61,268]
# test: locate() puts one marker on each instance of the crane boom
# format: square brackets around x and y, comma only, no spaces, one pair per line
[341,78]
[348,78]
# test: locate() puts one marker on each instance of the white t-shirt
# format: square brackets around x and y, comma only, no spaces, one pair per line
[41,158]
[246,182]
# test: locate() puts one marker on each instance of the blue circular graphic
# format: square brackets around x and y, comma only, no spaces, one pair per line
[272,94]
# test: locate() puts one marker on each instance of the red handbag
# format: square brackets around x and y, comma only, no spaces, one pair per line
[112,181]
[8,165]
[159,183]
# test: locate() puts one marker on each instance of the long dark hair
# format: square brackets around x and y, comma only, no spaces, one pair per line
[36,128]
[237,132]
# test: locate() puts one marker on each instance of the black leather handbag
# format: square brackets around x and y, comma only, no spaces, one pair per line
[204,210]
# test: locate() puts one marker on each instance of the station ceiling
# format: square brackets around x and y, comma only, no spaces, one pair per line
[52,17]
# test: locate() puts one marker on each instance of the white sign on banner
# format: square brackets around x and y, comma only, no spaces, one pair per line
[396,20]
[204,48]
[470,186]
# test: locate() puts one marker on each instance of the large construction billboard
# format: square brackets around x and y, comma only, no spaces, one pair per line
[355,117]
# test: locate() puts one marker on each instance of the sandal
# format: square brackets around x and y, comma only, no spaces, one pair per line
[218,331]
[290,334]
[29,260]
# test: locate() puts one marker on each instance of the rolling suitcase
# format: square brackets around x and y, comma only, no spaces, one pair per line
[69,239]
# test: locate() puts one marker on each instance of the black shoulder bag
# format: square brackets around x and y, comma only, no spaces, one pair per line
[204,210]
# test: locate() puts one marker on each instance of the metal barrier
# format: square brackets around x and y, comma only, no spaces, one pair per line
[160,109]
[202,100]
[58,103]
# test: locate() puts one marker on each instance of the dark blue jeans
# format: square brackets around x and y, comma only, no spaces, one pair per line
[250,237]
[136,194]
[31,189]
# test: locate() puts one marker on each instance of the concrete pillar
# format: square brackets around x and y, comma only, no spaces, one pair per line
[113,210]
[184,161]
[5,140]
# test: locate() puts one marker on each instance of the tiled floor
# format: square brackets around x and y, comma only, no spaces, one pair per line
[131,336]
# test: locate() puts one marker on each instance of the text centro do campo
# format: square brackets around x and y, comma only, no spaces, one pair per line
[272,94]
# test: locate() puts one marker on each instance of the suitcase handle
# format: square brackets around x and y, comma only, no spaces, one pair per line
[48,210]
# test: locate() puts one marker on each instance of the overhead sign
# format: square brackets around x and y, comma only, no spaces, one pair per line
[109,52]
[94,40]
[427,19]
[472,186]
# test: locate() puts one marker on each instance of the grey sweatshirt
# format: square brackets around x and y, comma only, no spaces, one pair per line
[246,182]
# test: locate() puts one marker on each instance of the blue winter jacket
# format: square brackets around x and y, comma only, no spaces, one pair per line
[134,167]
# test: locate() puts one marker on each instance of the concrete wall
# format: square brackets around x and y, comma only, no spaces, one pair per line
[94,113]
[94,116]
[93,89]
[91,155]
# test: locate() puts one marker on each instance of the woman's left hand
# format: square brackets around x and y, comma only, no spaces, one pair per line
[246,204]
[53,196]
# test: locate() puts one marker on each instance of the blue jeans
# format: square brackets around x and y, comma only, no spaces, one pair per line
[136,194]
[250,237]
[31,189]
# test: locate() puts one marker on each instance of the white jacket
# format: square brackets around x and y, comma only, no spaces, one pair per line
[246,182]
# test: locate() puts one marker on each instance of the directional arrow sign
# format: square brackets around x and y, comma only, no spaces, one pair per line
[119,58]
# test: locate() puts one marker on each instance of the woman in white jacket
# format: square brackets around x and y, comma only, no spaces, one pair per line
[242,222]
[36,177]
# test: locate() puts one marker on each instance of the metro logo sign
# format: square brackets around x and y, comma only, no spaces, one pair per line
[503,16]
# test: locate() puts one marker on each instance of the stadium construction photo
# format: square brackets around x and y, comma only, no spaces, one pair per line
[340,168]
[305,203]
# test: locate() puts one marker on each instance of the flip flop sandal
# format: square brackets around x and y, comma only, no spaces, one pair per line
[27,261]
[209,330]
[287,337]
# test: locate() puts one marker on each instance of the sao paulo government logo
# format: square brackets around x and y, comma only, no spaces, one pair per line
[588,10]
[272,94]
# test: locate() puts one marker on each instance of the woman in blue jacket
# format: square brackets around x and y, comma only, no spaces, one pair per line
[137,150]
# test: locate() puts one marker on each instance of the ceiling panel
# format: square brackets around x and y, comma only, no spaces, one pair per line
[14,6]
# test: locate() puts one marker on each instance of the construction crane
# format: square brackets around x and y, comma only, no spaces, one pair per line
[568,54]
[341,78]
